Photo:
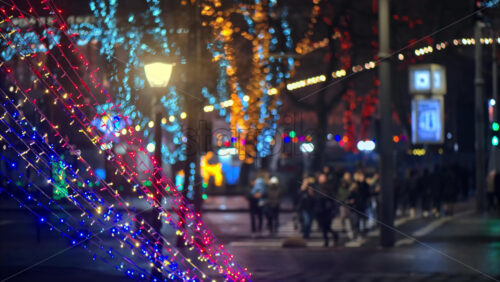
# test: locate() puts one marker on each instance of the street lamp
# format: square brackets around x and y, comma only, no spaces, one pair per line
[158,75]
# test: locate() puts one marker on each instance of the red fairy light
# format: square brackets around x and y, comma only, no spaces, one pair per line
[102,90]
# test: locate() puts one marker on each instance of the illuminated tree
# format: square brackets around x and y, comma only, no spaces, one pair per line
[332,24]
[250,82]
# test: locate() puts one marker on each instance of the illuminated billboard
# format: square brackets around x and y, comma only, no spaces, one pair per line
[427,120]
[427,79]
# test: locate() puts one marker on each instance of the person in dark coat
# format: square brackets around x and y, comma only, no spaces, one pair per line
[306,205]
[411,183]
[424,184]
[341,196]
[326,208]
[437,190]
[256,201]
[272,206]
[362,195]
[449,191]
[332,179]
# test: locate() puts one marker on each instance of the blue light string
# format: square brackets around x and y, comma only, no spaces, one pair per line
[94,197]
[43,219]
[63,108]
[105,214]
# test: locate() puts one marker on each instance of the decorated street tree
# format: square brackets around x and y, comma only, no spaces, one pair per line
[249,83]
[332,26]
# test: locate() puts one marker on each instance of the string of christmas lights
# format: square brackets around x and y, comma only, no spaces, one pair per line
[191,215]
[82,234]
[53,156]
[53,126]
[408,55]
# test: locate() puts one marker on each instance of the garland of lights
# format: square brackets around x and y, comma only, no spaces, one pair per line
[54,158]
[417,52]
[207,237]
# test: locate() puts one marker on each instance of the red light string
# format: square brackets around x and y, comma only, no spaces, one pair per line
[64,27]
[153,182]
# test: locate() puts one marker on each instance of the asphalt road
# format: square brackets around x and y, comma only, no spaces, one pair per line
[463,248]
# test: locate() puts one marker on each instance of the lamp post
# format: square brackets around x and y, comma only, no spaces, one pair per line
[386,151]
[480,120]
[158,75]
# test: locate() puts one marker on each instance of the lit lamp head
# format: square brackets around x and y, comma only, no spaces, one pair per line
[158,74]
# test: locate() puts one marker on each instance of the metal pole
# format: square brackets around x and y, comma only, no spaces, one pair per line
[480,121]
[494,89]
[197,197]
[385,110]
[192,101]
[158,141]
[156,222]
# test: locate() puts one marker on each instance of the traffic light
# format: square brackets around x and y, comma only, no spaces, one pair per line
[495,127]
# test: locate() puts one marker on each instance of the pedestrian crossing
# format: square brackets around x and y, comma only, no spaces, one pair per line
[290,230]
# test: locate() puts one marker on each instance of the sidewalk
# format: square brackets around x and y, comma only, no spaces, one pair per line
[235,229]
[472,242]
[466,248]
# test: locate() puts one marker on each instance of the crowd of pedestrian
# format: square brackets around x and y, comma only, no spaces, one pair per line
[328,195]
[433,192]
[354,199]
